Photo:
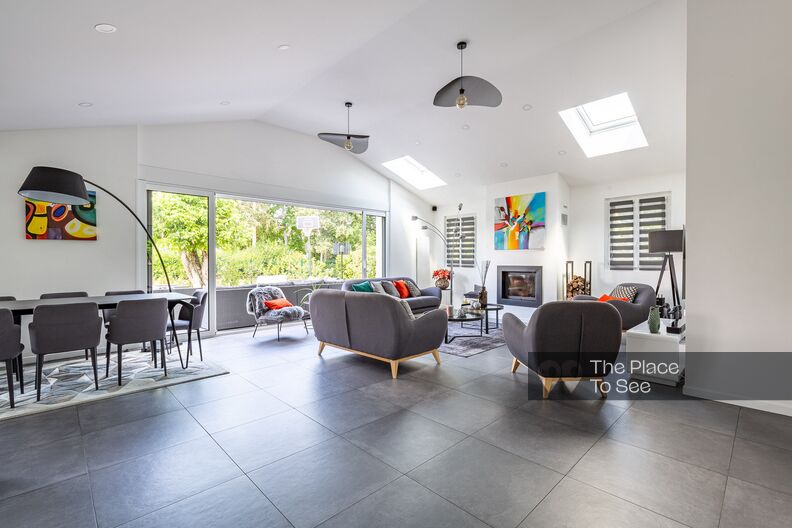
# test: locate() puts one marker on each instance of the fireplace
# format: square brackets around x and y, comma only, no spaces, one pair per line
[520,285]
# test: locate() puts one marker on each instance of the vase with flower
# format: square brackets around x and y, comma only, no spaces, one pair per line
[442,278]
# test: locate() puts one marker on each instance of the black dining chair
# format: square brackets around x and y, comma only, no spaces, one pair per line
[17,321]
[107,313]
[189,319]
[63,295]
[63,328]
[137,322]
[11,352]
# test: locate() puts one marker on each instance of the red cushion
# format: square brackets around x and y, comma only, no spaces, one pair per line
[606,298]
[401,287]
[276,304]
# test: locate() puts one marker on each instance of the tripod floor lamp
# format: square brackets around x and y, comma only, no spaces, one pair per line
[50,184]
[668,242]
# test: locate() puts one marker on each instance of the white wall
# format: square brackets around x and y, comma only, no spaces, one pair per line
[551,258]
[409,247]
[588,228]
[238,157]
[739,183]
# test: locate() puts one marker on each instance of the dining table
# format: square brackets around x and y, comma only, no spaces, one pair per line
[104,302]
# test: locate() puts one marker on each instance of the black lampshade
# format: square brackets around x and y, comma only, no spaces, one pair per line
[670,241]
[50,184]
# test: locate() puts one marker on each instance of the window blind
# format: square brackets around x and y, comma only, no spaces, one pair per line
[461,236]
[631,219]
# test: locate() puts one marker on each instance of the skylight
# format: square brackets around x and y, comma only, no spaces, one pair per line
[605,126]
[413,173]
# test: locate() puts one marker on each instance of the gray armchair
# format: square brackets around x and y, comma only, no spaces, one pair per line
[563,339]
[375,326]
[634,313]
[257,308]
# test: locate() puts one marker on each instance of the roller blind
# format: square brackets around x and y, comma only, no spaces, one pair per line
[461,236]
[630,220]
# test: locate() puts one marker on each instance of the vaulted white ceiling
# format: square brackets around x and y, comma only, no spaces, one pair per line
[175,61]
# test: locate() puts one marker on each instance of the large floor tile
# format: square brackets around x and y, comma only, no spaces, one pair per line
[590,415]
[360,374]
[129,490]
[347,411]
[490,362]
[573,504]
[765,428]
[719,417]
[688,494]
[404,440]
[235,504]
[406,504]
[313,485]
[202,391]
[38,429]
[252,361]
[264,441]
[747,504]
[276,375]
[402,391]
[330,360]
[762,464]
[694,445]
[450,376]
[307,390]
[128,408]
[236,410]
[551,444]
[27,468]
[66,504]
[510,393]
[460,411]
[133,439]
[496,486]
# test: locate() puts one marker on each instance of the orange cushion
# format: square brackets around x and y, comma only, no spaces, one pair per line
[276,304]
[402,288]
[606,298]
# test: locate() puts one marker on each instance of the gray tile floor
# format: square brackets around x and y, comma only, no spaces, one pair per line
[291,439]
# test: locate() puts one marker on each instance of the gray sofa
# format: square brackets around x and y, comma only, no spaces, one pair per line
[375,326]
[634,313]
[562,340]
[429,300]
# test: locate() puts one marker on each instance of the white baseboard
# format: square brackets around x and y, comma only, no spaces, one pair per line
[774,406]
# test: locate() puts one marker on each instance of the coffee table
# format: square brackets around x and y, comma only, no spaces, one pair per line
[484,311]
[466,317]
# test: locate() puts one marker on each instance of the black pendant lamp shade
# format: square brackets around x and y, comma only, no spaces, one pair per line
[354,143]
[467,90]
[50,184]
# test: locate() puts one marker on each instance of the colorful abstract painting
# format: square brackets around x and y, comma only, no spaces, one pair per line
[51,221]
[520,221]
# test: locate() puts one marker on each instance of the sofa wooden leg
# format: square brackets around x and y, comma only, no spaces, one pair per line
[436,355]
[515,365]
[321,347]
[603,395]
[547,386]
[394,369]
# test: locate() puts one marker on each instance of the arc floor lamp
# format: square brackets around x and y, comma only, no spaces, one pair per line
[428,226]
[50,184]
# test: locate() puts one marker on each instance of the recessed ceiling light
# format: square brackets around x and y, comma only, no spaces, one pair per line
[562,152]
[527,107]
[105,28]
[283,47]
[417,142]
[504,164]
[85,104]
[225,103]
[457,174]
[465,127]
[414,173]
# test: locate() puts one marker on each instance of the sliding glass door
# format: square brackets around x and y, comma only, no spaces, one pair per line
[230,244]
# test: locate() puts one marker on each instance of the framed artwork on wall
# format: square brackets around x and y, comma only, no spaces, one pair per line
[520,221]
[53,221]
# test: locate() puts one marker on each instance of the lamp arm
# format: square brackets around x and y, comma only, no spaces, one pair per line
[142,225]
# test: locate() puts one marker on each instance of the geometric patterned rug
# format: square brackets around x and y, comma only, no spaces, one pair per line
[70,381]
[470,346]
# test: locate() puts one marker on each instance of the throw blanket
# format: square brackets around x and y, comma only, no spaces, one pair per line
[257,308]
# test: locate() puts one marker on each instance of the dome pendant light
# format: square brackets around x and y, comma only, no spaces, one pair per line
[467,90]
[354,143]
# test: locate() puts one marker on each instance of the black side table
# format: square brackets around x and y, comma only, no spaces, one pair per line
[467,317]
[484,311]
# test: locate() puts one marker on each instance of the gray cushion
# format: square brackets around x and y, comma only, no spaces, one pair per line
[390,289]
[622,291]
[423,302]
[415,291]
[377,287]
[407,309]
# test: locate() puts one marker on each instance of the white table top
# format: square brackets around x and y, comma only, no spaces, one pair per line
[642,331]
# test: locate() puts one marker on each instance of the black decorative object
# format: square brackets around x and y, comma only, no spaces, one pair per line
[668,242]
[467,90]
[355,143]
[50,184]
